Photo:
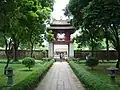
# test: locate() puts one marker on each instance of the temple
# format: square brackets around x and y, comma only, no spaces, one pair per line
[62,31]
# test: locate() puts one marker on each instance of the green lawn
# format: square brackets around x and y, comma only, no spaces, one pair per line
[20,72]
[101,72]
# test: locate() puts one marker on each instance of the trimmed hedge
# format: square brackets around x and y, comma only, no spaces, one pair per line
[33,80]
[89,80]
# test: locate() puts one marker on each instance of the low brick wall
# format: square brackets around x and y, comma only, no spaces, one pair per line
[99,54]
[38,54]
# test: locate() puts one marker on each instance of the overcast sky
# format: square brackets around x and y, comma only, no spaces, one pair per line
[58,10]
[58,7]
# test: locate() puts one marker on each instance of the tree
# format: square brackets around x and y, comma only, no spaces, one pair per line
[106,14]
[7,10]
[100,13]
[89,35]
[89,18]
[91,38]
[75,8]
[34,16]
[19,18]
[9,29]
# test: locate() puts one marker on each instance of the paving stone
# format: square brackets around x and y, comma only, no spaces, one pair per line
[60,77]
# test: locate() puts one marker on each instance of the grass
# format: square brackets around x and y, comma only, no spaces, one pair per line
[20,72]
[101,72]
[3,78]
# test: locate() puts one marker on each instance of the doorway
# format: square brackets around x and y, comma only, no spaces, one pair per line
[60,49]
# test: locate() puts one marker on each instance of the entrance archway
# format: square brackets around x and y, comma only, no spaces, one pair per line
[62,31]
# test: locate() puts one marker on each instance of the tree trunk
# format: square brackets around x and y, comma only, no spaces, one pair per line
[7,50]
[15,47]
[107,41]
[8,59]
[92,51]
[118,44]
[6,66]
[107,45]
[16,44]
[31,54]
[92,47]
[15,53]
[118,62]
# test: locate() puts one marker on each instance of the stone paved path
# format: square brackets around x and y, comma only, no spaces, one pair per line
[60,77]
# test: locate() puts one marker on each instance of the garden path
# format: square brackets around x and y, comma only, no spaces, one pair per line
[60,77]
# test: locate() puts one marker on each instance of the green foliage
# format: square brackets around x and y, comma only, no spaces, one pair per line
[28,62]
[20,23]
[34,15]
[92,62]
[23,20]
[105,14]
[100,16]
[75,8]
[49,37]
[90,35]
[90,81]
[91,38]
[33,80]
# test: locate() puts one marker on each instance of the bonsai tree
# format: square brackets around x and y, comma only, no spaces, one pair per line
[92,62]
[28,62]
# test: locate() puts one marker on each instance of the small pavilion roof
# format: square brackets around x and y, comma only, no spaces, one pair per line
[62,28]
[62,25]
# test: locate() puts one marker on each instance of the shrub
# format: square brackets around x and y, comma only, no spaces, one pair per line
[33,80]
[91,62]
[28,62]
[90,81]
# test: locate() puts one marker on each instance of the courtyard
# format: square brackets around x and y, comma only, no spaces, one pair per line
[59,45]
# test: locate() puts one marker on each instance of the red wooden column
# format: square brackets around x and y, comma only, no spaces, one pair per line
[67,36]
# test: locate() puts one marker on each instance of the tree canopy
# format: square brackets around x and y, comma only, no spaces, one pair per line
[97,15]
[21,22]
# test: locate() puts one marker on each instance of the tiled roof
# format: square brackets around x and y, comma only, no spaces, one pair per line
[62,28]
[61,22]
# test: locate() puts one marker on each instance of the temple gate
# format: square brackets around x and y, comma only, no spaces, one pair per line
[62,31]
